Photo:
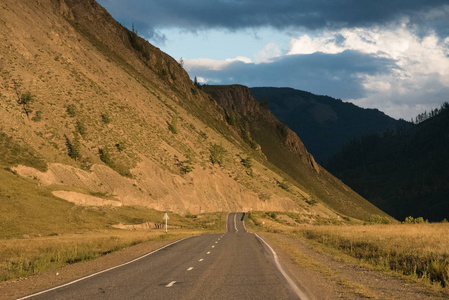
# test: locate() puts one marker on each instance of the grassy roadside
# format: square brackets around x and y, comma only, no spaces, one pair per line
[25,257]
[40,232]
[417,252]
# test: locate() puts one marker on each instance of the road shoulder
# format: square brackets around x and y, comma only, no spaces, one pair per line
[323,276]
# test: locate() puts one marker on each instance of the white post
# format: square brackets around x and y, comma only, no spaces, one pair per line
[166,218]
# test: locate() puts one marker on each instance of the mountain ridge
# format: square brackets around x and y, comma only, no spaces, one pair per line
[324,123]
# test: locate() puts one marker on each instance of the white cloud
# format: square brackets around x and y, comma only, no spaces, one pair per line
[212,64]
[306,45]
[269,52]
[422,61]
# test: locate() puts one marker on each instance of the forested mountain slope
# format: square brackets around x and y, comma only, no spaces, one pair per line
[324,123]
[404,173]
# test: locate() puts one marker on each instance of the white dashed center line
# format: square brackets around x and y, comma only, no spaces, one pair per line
[170,284]
[201,259]
[189,269]
[213,246]
[208,252]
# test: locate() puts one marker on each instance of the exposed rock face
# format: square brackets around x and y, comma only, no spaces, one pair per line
[295,145]
[238,98]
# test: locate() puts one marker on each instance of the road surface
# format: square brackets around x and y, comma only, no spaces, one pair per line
[232,265]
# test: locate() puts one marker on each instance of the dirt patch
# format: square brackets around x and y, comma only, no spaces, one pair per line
[85,200]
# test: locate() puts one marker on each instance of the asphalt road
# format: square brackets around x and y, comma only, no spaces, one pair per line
[232,265]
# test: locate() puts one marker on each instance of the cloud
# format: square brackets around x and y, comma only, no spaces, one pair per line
[419,80]
[281,14]
[339,75]
[269,52]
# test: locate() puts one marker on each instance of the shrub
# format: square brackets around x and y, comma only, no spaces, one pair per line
[80,128]
[217,153]
[376,219]
[247,162]
[37,117]
[284,185]
[106,118]
[105,156]
[121,146]
[173,127]
[411,220]
[25,101]
[71,110]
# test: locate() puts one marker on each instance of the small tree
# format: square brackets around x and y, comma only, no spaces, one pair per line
[80,128]
[181,62]
[25,101]
[105,156]
[73,146]
[173,127]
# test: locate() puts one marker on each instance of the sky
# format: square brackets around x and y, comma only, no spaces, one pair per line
[392,55]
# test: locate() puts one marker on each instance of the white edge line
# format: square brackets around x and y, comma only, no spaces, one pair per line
[244,224]
[235,223]
[170,284]
[295,288]
[104,271]
[227,217]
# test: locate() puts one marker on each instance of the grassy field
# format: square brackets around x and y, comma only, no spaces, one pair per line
[39,232]
[416,251]
[25,256]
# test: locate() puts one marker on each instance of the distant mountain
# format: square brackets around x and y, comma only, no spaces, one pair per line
[285,151]
[324,123]
[405,173]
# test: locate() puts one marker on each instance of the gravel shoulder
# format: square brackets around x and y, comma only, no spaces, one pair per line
[323,276]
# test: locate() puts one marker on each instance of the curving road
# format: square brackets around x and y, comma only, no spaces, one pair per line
[233,265]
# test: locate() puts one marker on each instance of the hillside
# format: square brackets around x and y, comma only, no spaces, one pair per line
[323,123]
[285,151]
[97,126]
[406,173]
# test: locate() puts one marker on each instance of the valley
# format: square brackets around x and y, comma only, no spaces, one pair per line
[102,134]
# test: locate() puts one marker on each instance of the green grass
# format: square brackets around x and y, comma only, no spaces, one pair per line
[12,153]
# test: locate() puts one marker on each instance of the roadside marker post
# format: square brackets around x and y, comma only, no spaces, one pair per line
[166,218]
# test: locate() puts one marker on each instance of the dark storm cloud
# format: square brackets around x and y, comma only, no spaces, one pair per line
[339,75]
[281,14]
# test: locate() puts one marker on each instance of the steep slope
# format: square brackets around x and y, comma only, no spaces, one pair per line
[112,114]
[406,174]
[323,123]
[95,120]
[283,149]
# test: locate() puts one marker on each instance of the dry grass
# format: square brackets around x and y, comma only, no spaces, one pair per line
[25,257]
[416,250]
